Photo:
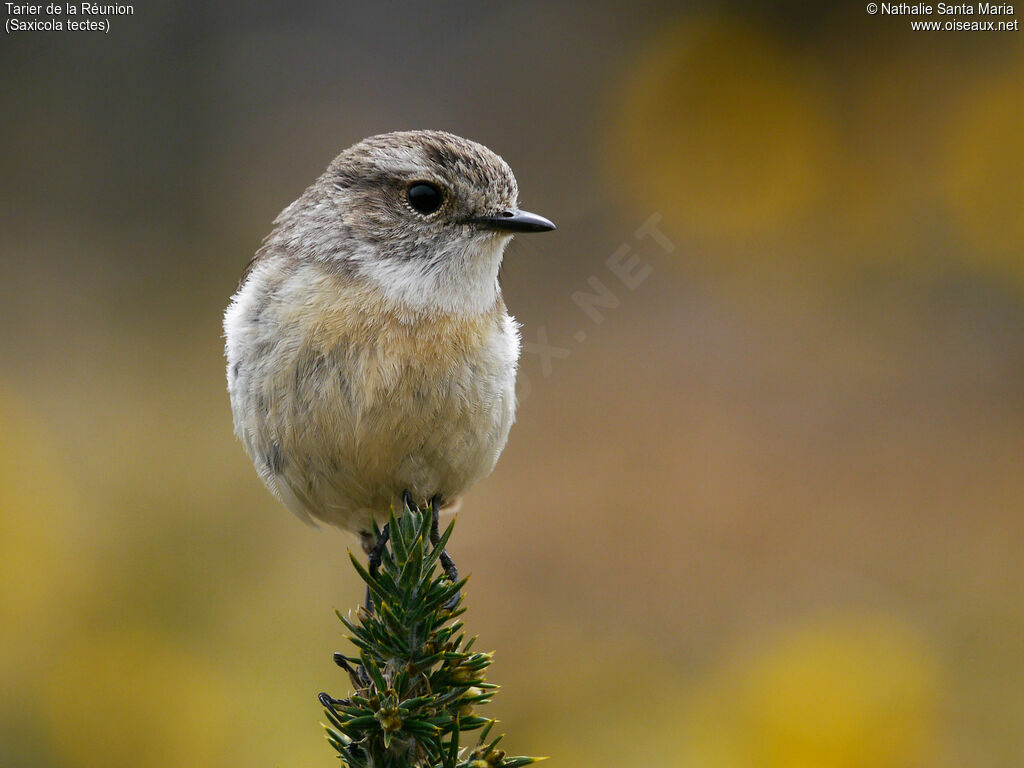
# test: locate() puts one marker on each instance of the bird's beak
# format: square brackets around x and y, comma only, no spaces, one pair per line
[514,221]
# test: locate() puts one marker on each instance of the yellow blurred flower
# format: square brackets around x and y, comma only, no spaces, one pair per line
[714,129]
[856,691]
[37,509]
[896,104]
[134,699]
[984,172]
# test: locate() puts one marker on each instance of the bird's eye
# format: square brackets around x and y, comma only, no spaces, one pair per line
[424,197]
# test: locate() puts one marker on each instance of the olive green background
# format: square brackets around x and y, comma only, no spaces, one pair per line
[766,513]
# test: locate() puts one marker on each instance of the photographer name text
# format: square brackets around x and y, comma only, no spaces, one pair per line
[945,9]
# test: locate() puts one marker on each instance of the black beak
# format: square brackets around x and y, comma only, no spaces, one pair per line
[514,221]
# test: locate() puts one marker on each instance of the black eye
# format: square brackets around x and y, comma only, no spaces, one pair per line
[424,197]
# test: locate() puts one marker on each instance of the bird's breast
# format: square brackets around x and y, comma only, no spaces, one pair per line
[380,351]
[356,403]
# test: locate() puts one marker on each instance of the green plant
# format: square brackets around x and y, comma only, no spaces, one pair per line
[417,679]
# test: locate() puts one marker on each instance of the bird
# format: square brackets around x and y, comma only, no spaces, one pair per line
[371,360]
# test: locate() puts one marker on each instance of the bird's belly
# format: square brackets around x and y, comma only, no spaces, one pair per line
[427,432]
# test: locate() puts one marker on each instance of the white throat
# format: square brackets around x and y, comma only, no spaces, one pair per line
[461,280]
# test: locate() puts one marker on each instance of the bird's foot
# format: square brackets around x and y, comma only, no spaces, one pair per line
[330,702]
[357,674]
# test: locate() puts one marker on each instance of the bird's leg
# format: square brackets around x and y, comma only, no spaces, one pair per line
[407,501]
[373,560]
[378,549]
[435,538]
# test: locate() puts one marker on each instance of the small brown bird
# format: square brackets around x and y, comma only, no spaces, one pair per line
[370,356]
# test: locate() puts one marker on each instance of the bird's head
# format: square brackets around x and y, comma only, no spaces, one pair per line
[423,216]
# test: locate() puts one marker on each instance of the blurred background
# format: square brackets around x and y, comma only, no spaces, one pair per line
[763,504]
